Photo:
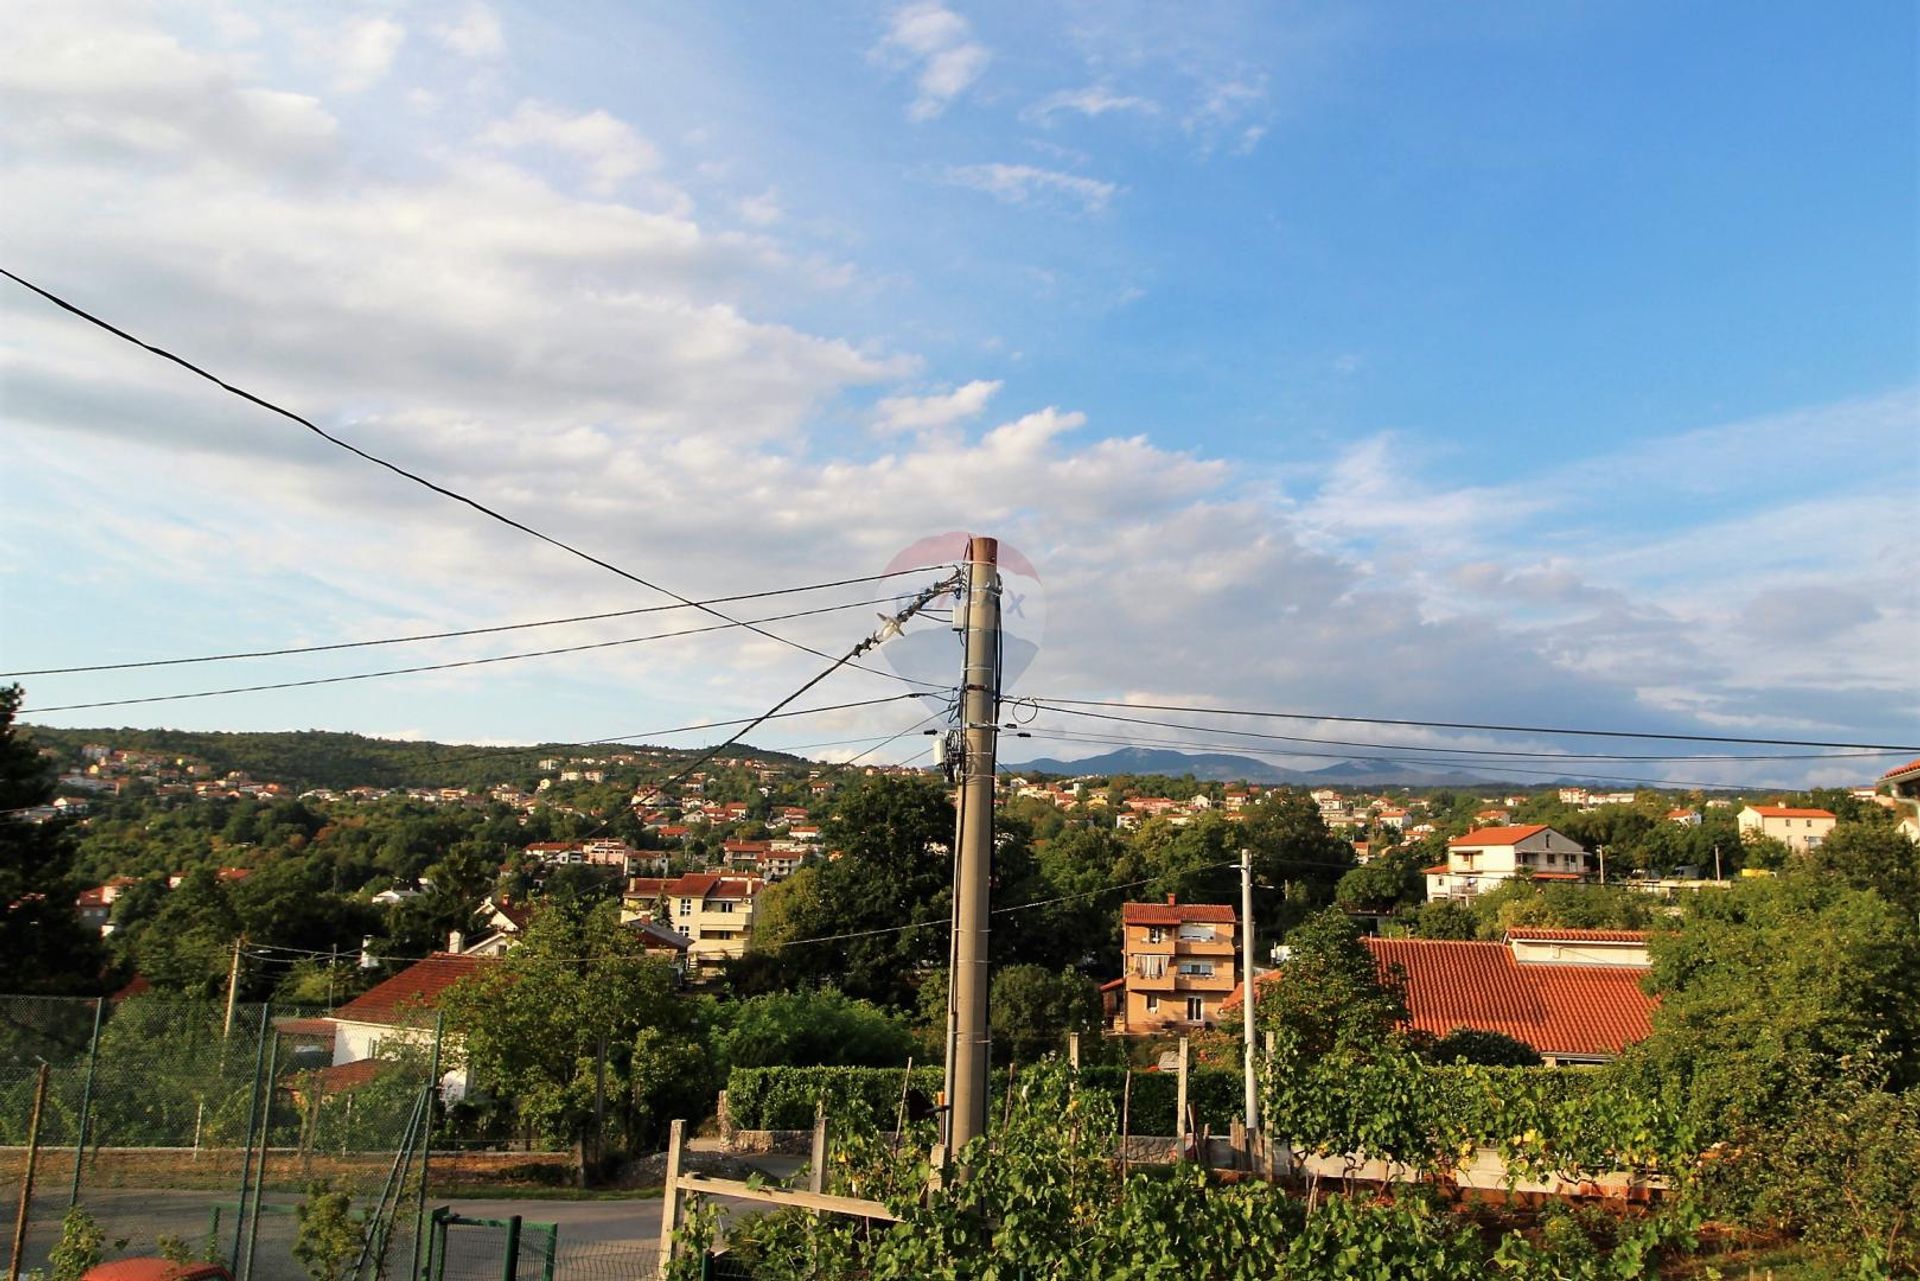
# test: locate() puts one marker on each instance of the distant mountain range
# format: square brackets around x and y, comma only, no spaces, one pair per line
[1220,767]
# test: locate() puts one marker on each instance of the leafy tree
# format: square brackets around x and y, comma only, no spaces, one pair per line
[553,1024]
[43,945]
[1293,851]
[1778,980]
[329,1238]
[1445,919]
[1391,880]
[1873,855]
[1031,1010]
[808,1028]
[895,836]
[1489,1049]
[187,945]
[1330,992]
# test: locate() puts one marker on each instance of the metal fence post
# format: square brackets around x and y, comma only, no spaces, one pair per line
[246,1155]
[510,1268]
[426,1139]
[26,1180]
[266,1140]
[86,1103]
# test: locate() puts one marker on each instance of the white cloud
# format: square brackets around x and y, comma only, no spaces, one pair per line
[360,52]
[81,84]
[1093,100]
[475,34]
[616,374]
[762,210]
[940,43]
[608,146]
[1021,184]
[926,413]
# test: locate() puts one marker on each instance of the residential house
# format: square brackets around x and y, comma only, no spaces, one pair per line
[1573,995]
[1481,859]
[401,1011]
[1903,781]
[715,912]
[1685,818]
[1798,829]
[1181,959]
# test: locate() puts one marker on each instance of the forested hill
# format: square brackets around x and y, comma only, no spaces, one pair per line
[317,758]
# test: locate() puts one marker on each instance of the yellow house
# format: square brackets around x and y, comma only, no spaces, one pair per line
[1181,961]
[1798,829]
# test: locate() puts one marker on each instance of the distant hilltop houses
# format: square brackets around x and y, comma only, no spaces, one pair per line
[698,851]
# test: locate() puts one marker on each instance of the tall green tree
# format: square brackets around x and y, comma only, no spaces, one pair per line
[1777,981]
[43,945]
[553,1025]
[1330,993]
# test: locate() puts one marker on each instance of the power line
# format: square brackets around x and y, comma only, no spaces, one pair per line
[420,480]
[471,631]
[441,667]
[1469,751]
[920,600]
[1058,703]
[860,934]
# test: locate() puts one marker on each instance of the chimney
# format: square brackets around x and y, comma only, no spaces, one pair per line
[456,942]
[1170,900]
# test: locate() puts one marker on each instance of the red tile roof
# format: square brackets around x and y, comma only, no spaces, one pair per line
[1499,835]
[705,885]
[1582,1011]
[1535,934]
[1176,913]
[416,988]
[1910,767]
[1788,811]
[342,1077]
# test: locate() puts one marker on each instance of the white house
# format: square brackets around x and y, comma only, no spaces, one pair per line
[1904,782]
[401,1011]
[1483,858]
[1798,829]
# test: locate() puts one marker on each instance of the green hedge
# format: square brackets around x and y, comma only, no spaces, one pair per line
[782,1098]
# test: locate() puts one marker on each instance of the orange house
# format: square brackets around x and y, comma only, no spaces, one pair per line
[1181,960]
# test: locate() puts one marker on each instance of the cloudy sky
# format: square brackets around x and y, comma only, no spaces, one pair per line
[1546,363]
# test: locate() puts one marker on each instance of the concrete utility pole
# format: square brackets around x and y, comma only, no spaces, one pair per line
[233,988]
[1246,985]
[979,723]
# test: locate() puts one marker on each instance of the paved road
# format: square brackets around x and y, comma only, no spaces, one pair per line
[611,1239]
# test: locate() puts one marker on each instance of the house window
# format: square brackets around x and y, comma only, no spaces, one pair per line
[1196,933]
[1153,1003]
[1199,969]
[686,907]
[1150,967]
[1155,934]
[724,905]
[1195,1010]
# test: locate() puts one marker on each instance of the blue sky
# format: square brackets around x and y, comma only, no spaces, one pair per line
[1539,362]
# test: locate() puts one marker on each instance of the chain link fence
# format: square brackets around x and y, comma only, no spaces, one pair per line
[191,1129]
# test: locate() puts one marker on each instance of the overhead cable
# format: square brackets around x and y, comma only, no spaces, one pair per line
[441,667]
[422,481]
[1472,725]
[1499,752]
[470,631]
